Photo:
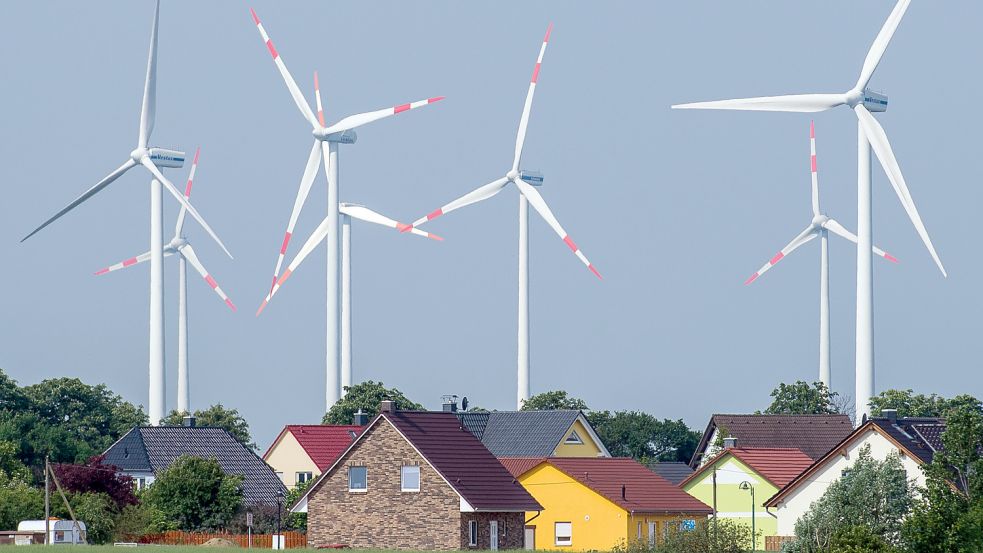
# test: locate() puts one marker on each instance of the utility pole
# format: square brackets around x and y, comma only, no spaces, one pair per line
[715,503]
[47,503]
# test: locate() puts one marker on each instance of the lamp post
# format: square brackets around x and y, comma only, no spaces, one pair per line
[745,485]
[279,506]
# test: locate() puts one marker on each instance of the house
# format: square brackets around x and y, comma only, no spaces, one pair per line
[673,471]
[813,435]
[735,473]
[145,451]
[915,440]
[528,434]
[416,480]
[596,503]
[301,452]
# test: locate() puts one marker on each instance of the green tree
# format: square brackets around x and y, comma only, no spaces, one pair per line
[220,416]
[297,521]
[553,401]
[12,399]
[801,398]
[366,396]
[19,501]
[11,467]
[135,521]
[873,494]
[96,510]
[643,437]
[194,494]
[909,404]
[946,519]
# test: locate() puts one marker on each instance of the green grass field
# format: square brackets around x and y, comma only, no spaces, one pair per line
[163,549]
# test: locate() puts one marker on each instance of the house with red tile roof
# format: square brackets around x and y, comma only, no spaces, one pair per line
[301,452]
[813,435]
[596,503]
[416,480]
[738,480]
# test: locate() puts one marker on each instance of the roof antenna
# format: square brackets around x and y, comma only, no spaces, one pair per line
[623,494]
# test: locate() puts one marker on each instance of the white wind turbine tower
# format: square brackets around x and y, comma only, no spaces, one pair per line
[870,135]
[821,225]
[527,195]
[153,159]
[326,141]
[180,246]
[348,212]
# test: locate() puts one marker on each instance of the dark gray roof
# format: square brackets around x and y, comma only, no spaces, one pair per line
[154,448]
[920,436]
[673,471]
[520,433]
[813,435]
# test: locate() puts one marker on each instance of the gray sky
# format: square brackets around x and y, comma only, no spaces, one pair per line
[675,209]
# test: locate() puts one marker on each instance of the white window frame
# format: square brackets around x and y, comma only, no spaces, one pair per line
[358,490]
[402,481]
[568,539]
[472,533]
[574,439]
[303,477]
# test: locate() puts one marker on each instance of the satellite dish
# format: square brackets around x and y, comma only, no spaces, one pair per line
[464,403]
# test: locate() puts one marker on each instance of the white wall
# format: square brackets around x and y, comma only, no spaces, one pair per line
[798,501]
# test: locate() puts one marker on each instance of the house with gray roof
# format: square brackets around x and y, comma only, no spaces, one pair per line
[535,433]
[145,451]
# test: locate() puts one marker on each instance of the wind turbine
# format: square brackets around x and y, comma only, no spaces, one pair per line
[326,141]
[348,212]
[821,225]
[152,159]
[527,195]
[186,254]
[870,135]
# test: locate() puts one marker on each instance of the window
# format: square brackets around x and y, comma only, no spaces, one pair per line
[563,533]
[574,438]
[358,479]
[139,483]
[473,533]
[409,479]
[303,477]
[639,530]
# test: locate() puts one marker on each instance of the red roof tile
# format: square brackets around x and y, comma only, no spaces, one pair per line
[814,435]
[322,442]
[517,466]
[779,465]
[461,458]
[644,490]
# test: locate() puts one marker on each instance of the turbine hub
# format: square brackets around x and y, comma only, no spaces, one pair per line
[138,154]
[512,175]
[819,220]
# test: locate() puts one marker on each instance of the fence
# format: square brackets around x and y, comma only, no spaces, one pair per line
[772,543]
[293,540]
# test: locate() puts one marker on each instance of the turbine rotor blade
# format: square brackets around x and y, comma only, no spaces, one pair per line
[882,148]
[481,193]
[836,228]
[805,236]
[126,263]
[880,44]
[539,204]
[310,171]
[316,237]
[317,99]
[187,194]
[295,93]
[799,103]
[183,201]
[148,111]
[815,171]
[86,195]
[363,213]
[353,121]
[189,253]
[520,138]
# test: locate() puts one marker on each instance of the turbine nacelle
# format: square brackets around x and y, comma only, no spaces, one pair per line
[534,178]
[161,157]
[345,137]
[875,101]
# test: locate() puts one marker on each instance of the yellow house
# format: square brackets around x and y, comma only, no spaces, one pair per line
[600,502]
[301,452]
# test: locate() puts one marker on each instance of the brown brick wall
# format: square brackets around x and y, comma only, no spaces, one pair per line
[511,530]
[384,517]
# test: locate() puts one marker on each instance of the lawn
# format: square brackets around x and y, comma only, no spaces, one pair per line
[169,549]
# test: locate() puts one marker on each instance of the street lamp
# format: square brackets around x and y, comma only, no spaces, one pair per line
[279,506]
[745,485]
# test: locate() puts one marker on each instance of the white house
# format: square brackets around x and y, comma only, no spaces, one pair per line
[915,440]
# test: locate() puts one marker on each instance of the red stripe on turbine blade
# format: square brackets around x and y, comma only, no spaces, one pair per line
[890,258]
[570,244]
[283,247]
[535,73]
[549,30]
[129,262]
[187,188]
[262,306]
[283,278]
[778,257]
[403,227]
[197,153]
[753,278]
[434,99]
[813,164]
[230,304]
[401,108]
[211,281]
[273,52]
[102,271]
[435,214]
[593,270]
[812,129]
[435,237]
[255,17]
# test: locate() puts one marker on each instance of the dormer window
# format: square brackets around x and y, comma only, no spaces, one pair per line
[573,439]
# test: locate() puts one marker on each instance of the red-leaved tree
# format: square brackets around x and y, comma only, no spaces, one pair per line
[94,477]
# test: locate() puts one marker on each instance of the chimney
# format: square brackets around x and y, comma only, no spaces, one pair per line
[890,414]
[360,418]
[449,403]
[387,406]
[188,421]
[730,442]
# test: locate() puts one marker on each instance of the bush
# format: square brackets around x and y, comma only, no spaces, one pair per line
[727,537]
[195,494]
[18,502]
[136,521]
[96,510]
